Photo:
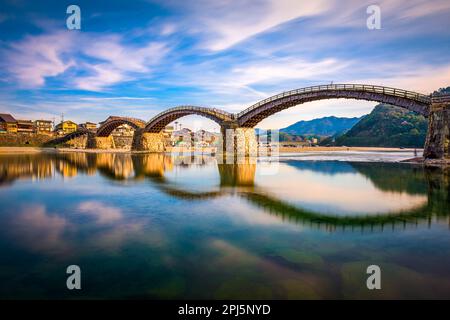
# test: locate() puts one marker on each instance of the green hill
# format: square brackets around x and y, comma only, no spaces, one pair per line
[387,126]
[326,126]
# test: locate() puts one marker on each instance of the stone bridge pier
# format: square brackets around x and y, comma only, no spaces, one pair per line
[148,141]
[237,142]
[94,142]
[437,144]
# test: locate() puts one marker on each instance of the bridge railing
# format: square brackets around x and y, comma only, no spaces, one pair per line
[344,87]
[440,98]
[118,118]
[214,111]
[69,136]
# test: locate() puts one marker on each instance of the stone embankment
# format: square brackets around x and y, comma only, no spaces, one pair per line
[23,140]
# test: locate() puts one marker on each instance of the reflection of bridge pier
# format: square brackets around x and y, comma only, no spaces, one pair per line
[152,165]
[438,180]
[233,175]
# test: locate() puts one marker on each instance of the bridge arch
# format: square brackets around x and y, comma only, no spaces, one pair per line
[410,100]
[113,122]
[70,136]
[160,121]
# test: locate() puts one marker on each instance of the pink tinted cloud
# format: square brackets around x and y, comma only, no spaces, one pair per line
[33,59]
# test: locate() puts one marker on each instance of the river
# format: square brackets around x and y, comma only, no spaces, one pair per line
[156,226]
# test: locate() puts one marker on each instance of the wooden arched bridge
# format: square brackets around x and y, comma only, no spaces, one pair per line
[113,122]
[412,101]
[237,129]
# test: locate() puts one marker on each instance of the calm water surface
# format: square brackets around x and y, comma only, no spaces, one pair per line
[161,226]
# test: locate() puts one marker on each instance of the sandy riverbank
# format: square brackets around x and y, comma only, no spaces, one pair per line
[37,150]
[24,149]
[54,150]
[205,150]
[283,150]
[367,149]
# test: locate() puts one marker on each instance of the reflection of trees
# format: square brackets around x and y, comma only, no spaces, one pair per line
[397,177]
[322,167]
[434,182]
[438,181]
[292,213]
[391,177]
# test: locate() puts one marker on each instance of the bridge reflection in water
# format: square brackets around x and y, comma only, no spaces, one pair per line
[411,195]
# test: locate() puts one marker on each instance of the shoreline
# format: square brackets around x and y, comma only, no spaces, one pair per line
[206,150]
[415,160]
[365,149]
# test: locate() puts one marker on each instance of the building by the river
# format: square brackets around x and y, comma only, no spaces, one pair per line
[66,127]
[43,127]
[8,123]
[89,126]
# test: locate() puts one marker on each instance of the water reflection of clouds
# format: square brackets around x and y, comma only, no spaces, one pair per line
[329,188]
[36,229]
[194,178]
[354,156]
[103,214]
[340,193]
[39,231]
[242,212]
[115,228]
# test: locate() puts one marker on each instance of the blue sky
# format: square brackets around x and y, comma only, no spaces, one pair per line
[137,58]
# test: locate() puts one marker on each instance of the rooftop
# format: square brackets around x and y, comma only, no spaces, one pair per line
[6,117]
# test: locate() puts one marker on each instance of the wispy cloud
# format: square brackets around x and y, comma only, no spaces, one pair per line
[224,53]
[235,21]
[243,79]
[114,98]
[98,61]
[223,24]
[102,75]
[34,58]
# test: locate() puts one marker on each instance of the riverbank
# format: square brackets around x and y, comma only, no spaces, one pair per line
[362,149]
[207,150]
[55,150]
[373,153]
[24,150]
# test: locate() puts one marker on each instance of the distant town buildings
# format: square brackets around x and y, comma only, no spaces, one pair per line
[183,137]
[65,127]
[25,126]
[167,134]
[123,130]
[8,123]
[43,127]
[167,131]
[89,126]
